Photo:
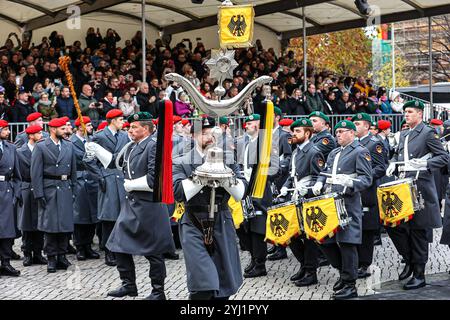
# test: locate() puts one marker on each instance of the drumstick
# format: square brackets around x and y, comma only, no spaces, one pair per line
[330,175]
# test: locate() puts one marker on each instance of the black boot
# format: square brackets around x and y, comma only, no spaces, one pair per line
[309,279]
[6,269]
[258,271]
[201,295]
[279,254]
[363,272]
[28,259]
[81,253]
[406,273]
[14,255]
[347,292]
[128,287]
[90,253]
[110,259]
[338,285]
[272,249]
[51,266]
[157,292]
[62,263]
[38,258]
[418,279]
[300,274]
[71,249]
[171,256]
[250,266]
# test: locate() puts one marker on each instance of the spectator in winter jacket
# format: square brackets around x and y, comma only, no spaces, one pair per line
[46,107]
[64,104]
[183,107]
[89,106]
[22,108]
[313,101]
[127,104]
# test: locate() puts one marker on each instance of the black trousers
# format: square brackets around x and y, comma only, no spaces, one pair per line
[411,244]
[56,243]
[107,227]
[343,257]
[32,241]
[83,234]
[6,248]
[127,270]
[365,249]
[254,243]
[306,252]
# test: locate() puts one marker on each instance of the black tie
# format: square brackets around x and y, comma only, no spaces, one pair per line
[116,135]
[1,151]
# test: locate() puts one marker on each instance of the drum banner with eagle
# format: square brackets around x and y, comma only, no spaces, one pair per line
[236,26]
[395,204]
[320,219]
[282,224]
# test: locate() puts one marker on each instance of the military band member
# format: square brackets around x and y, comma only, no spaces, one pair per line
[384,132]
[142,227]
[371,216]
[322,137]
[53,175]
[86,192]
[306,165]
[10,194]
[33,119]
[106,145]
[32,238]
[445,237]
[213,272]
[181,144]
[350,167]
[422,153]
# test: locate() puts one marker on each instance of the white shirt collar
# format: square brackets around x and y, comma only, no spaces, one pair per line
[362,138]
[112,130]
[30,146]
[303,145]
[58,144]
[82,138]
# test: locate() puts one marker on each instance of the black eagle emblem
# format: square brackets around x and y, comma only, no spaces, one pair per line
[391,204]
[237,25]
[316,219]
[278,224]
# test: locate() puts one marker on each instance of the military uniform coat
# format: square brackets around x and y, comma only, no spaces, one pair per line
[421,142]
[9,190]
[22,138]
[28,213]
[109,202]
[281,138]
[354,158]
[86,188]
[445,238]
[325,142]
[220,272]
[371,218]
[143,226]
[57,216]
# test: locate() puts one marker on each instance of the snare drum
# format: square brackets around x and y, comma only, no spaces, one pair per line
[323,216]
[282,223]
[398,201]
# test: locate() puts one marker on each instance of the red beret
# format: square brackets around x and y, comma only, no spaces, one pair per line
[384,124]
[33,129]
[34,116]
[57,122]
[126,124]
[286,122]
[114,113]
[3,123]
[185,122]
[155,121]
[437,122]
[86,120]
[65,119]
[176,119]
[102,126]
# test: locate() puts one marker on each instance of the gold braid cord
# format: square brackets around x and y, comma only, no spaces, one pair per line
[64,63]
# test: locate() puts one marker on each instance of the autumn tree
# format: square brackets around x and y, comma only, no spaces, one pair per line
[383,77]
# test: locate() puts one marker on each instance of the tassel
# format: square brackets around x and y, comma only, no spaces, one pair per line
[264,147]
[163,188]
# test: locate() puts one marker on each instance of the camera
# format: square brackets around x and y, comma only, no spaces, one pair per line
[97,104]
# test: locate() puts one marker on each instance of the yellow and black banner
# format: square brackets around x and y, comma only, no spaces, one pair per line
[320,219]
[395,204]
[236,26]
[282,224]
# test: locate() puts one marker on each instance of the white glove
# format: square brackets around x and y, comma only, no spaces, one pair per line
[283,191]
[317,188]
[390,170]
[190,188]
[236,191]
[302,190]
[103,155]
[139,184]
[345,180]
[418,163]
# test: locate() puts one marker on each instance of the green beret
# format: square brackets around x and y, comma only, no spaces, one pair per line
[223,120]
[253,117]
[414,104]
[140,116]
[346,124]
[301,123]
[402,123]
[278,111]
[374,124]
[362,117]
[320,115]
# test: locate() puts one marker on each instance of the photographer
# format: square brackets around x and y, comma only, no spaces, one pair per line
[296,103]
[98,85]
[89,105]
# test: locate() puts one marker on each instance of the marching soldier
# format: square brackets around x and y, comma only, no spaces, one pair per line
[213,272]
[105,146]
[371,216]
[445,237]
[181,143]
[10,186]
[33,119]
[53,175]
[32,238]
[307,163]
[350,167]
[142,227]
[422,157]
[322,137]
[86,192]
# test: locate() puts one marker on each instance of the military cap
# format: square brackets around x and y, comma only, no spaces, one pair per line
[34,116]
[278,111]
[3,123]
[384,124]
[402,123]
[286,122]
[114,113]
[414,104]
[204,122]
[126,124]
[346,124]
[57,122]
[33,129]
[436,122]
[362,117]
[253,117]
[86,120]
[102,126]
[140,116]
[320,115]
[184,122]
[223,120]
[176,119]
[301,123]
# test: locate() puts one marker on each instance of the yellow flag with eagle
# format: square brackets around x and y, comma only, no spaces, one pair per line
[282,224]
[395,204]
[236,26]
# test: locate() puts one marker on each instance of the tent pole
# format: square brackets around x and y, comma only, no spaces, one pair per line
[430,57]
[144,53]
[393,55]
[304,51]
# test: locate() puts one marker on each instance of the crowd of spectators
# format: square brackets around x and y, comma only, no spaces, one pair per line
[108,76]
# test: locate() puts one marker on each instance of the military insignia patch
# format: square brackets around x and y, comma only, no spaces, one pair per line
[136,117]
[416,103]
[359,116]
[379,149]
[320,162]
[325,141]
[344,124]
[303,121]
[367,156]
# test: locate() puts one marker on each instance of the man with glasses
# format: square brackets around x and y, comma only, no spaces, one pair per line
[349,167]
[322,137]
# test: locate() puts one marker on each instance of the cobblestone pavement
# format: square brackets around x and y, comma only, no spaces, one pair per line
[92,279]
